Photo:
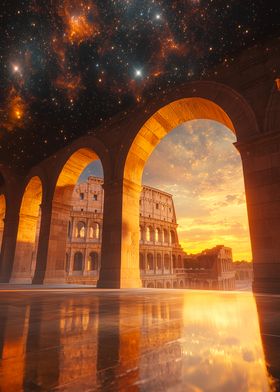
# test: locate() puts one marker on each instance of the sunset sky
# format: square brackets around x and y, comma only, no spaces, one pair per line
[198,164]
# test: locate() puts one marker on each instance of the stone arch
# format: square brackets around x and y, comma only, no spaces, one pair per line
[168,285]
[150,285]
[157,235]
[159,264]
[172,237]
[182,284]
[150,262]
[159,285]
[174,261]
[80,229]
[78,262]
[198,100]
[150,233]
[2,217]
[93,261]
[28,232]
[165,236]
[68,174]
[166,261]
[94,231]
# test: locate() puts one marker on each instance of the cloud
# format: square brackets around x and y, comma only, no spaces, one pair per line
[198,164]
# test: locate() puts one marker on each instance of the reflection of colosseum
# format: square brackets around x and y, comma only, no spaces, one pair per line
[162,260]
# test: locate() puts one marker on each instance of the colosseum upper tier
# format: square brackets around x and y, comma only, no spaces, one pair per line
[160,251]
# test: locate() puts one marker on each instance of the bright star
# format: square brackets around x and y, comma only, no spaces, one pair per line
[138,73]
[157,16]
[16,68]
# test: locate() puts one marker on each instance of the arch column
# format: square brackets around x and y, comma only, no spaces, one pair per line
[9,241]
[261,165]
[43,243]
[120,241]
[55,268]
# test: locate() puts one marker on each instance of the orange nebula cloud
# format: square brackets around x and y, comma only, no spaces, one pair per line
[78,26]
[14,111]
[70,83]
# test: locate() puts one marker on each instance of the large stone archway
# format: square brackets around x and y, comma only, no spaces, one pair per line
[60,212]
[28,228]
[217,102]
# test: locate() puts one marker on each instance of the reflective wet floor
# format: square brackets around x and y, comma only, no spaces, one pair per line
[139,340]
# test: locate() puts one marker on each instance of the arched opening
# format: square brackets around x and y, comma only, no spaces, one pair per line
[93,262]
[174,261]
[80,230]
[172,237]
[165,236]
[167,262]
[94,231]
[150,285]
[28,233]
[150,262]
[78,262]
[78,199]
[154,130]
[2,217]
[159,265]
[157,235]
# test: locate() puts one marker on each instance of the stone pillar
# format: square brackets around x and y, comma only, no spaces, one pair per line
[9,241]
[261,165]
[25,248]
[43,243]
[55,268]
[120,241]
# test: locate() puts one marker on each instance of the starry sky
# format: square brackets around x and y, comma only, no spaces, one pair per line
[68,65]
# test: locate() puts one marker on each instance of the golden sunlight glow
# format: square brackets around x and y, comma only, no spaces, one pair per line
[220,343]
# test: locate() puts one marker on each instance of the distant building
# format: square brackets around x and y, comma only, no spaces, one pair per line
[210,269]
[243,274]
[163,263]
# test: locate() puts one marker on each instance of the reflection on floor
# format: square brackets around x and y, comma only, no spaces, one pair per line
[139,340]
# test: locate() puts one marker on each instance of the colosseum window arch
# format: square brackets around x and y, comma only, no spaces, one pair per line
[78,261]
[172,237]
[149,234]
[94,231]
[166,262]
[93,261]
[165,236]
[80,230]
[150,262]
[174,261]
[159,266]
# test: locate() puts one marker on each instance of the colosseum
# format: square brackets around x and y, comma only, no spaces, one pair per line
[163,262]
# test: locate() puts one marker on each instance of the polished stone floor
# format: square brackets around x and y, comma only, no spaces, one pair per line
[138,340]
